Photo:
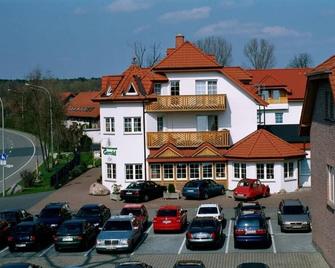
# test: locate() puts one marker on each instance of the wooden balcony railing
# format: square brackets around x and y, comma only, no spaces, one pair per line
[188,139]
[188,103]
[281,100]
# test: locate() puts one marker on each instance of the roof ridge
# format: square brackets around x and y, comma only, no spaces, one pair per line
[267,137]
[253,146]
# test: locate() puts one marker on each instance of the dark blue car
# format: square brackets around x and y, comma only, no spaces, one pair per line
[251,229]
[95,214]
[54,214]
[202,189]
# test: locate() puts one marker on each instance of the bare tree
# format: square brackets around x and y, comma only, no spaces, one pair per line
[139,51]
[260,53]
[155,54]
[146,57]
[301,60]
[217,46]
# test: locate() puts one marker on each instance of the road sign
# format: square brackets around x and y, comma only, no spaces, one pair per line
[3,156]
[3,162]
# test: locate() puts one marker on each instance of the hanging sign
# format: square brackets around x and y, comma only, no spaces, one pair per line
[109,151]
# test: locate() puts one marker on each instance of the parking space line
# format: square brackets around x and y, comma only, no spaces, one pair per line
[147,231]
[46,250]
[2,251]
[228,236]
[272,238]
[182,245]
[89,251]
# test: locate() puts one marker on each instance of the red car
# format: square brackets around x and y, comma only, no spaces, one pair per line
[139,211]
[248,189]
[170,218]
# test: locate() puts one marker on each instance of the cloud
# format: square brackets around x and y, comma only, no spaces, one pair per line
[237,3]
[129,5]
[184,15]
[235,27]
[80,11]
[141,29]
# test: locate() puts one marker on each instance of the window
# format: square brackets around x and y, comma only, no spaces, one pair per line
[111,171]
[181,171]
[331,184]
[259,117]
[288,170]
[134,171]
[265,171]
[240,170]
[279,118]
[329,106]
[203,87]
[110,124]
[132,124]
[155,171]
[265,94]
[194,171]
[168,171]
[175,88]
[270,171]
[160,123]
[158,88]
[220,170]
[207,170]
[260,171]
[207,123]
[276,94]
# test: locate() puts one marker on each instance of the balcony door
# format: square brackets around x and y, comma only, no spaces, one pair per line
[207,123]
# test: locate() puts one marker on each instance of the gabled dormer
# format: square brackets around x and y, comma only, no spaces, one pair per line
[131,91]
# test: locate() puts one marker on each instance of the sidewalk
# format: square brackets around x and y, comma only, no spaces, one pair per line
[76,193]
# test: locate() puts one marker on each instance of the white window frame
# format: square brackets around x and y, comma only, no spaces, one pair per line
[174,87]
[279,118]
[111,171]
[168,173]
[207,173]
[220,168]
[206,87]
[267,170]
[151,172]
[136,171]
[191,171]
[160,123]
[133,121]
[331,186]
[109,125]
[288,170]
[183,168]
[240,170]
[158,89]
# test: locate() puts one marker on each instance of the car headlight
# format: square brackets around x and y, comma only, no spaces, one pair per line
[96,224]
[100,242]
[123,241]
[305,222]
[53,225]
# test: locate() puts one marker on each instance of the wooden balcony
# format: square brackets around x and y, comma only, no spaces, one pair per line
[188,139]
[188,103]
[281,100]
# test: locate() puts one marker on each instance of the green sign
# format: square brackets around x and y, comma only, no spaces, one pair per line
[109,151]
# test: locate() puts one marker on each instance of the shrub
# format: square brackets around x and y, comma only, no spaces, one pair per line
[97,162]
[77,170]
[86,158]
[27,178]
[171,188]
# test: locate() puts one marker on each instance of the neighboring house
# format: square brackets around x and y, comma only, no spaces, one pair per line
[66,96]
[178,120]
[82,110]
[318,119]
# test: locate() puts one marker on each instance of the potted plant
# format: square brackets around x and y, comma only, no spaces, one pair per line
[115,192]
[171,192]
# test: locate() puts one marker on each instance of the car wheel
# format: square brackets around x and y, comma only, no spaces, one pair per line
[236,244]
[98,251]
[223,191]
[146,198]
[282,229]
[189,246]
[11,249]
[57,248]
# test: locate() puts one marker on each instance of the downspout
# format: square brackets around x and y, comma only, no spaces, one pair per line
[144,143]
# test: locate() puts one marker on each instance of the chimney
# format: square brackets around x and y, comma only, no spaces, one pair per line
[179,40]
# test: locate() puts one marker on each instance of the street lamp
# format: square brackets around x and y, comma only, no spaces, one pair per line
[50,111]
[3,147]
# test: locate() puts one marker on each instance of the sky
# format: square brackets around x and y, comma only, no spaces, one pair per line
[91,38]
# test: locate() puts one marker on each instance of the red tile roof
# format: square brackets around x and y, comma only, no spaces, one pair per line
[65,96]
[262,144]
[293,79]
[83,106]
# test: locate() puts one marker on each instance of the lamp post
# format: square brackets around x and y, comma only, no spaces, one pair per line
[3,146]
[50,111]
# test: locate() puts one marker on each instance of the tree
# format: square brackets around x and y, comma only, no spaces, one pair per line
[301,60]
[217,46]
[146,57]
[154,54]
[260,53]
[139,52]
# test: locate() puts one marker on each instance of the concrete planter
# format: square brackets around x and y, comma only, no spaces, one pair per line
[167,195]
[115,197]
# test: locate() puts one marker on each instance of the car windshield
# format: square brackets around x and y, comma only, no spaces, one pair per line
[88,212]
[70,228]
[134,211]
[293,210]
[192,184]
[50,212]
[117,226]
[203,223]
[167,213]
[24,228]
[135,186]
[189,266]
[8,215]
[243,183]
[208,210]
[251,222]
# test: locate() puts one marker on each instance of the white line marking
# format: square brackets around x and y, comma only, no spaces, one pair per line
[272,238]
[2,251]
[228,236]
[182,245]
[89,251]
[45,251]
[32,156]
[147,231]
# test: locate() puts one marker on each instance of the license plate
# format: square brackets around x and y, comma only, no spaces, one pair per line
[129,193]
[201,235]
[166,222]
[250,231]
[240,195]
[190,191]
[67,239]
[296,226]
[20,245]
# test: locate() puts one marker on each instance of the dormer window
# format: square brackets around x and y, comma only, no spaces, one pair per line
[109,91]
[131,90]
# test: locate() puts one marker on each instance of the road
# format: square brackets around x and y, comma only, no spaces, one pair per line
[23,153]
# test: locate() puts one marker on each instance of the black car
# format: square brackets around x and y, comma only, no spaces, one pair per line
[29,235]
[133,264]
[252,265]
[4,232]
[142,191]
[75,234]
[96,214]
[251,229]
[54,214]
[189,264]
[15,216]
[204,231]
[20,265]
[246,207]
[202,189]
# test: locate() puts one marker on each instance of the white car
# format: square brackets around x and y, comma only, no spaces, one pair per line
[210,210]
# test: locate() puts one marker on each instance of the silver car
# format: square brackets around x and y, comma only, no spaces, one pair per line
[293,216]
[120,232]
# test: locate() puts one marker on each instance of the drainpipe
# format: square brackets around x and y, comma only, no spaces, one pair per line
[144,143]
